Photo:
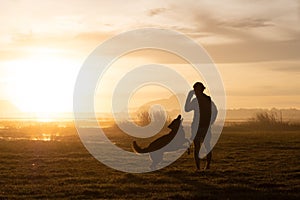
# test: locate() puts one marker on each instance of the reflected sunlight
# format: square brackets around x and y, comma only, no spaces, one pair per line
[43,137]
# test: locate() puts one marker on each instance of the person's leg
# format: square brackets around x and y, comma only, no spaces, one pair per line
[208,160]
[196,153]
[208,148]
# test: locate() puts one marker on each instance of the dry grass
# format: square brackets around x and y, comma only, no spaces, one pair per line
[265,121]
[246,165]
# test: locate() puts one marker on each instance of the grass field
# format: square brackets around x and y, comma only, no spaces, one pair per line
[246,165]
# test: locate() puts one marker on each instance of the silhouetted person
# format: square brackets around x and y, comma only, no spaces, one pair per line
[205,113]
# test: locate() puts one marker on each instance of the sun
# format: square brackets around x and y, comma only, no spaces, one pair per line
[43,83]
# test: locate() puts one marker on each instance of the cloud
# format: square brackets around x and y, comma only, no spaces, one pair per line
[232,31]
[236,20]
[95,36]
[286,67]
[247,23]
[255,51]
[266,90]
[255,32]
[295,69]
[156,11]
[22,45]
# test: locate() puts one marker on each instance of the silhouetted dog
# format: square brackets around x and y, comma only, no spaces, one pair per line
[156,148]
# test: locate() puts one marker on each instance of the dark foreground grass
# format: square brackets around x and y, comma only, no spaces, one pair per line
[245,166]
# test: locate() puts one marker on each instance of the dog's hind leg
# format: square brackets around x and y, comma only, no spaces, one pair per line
[189,146]
[156,158]
[153,166]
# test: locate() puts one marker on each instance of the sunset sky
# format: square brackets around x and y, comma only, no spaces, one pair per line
[255,45]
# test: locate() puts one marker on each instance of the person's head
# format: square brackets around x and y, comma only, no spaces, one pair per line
[198,87]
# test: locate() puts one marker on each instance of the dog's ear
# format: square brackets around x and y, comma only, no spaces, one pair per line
[175,122]
[179,118]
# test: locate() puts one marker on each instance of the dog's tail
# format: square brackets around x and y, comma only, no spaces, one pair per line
[136,148]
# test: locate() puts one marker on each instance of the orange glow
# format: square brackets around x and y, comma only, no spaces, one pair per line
[43,83]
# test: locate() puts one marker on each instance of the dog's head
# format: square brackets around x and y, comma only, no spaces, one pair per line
[175,124]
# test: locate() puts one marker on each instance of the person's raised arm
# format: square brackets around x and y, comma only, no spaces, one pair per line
[188,106]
